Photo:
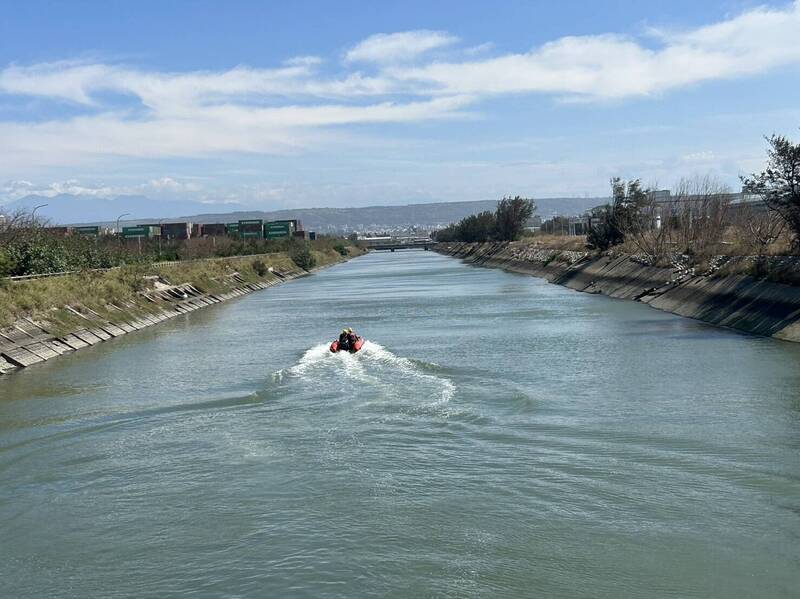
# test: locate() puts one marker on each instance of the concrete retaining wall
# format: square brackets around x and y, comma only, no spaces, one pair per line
[30,342]
[739,302]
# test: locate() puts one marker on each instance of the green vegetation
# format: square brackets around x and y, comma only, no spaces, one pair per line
[95,290]
[27,247]
[301,255]
[779,184]
[260,267]
[506,223]
[512,216]
[610,222]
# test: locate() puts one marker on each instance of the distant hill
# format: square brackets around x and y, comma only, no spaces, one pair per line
[372,218]
[388,217]
[69,209]
[66,209]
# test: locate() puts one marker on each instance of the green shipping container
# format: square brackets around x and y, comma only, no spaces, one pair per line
[277,230]
[135,232]
[86,231]
[251,228]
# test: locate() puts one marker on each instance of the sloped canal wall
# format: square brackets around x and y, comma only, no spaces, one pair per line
[32,340]
[739,302]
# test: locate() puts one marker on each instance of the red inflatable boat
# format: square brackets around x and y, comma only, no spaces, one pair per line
[359,343]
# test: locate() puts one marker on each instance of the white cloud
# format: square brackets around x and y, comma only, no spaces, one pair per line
[304,61]
[163,186]
[398,47]
[197,131]
[613,66]
[67,80]
[13,190]
[169,184]
[299,105]
[479,49]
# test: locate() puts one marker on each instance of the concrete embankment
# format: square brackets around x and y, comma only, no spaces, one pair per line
[737,301]
[139,299]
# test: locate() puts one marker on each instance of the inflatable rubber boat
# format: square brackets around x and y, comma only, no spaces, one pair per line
[356,346]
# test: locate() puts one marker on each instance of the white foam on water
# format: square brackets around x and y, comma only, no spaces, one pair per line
[373,365]
[377,353]
[310,358]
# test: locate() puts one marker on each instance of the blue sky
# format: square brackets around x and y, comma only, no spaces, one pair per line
[301,104]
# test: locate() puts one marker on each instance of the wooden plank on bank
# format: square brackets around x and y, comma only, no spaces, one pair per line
[58,346]
[99,332]
[125,327]
[87,337]
[41,350]
[16,336]
[21,357]
[73,341]
[113,329]
[32,330]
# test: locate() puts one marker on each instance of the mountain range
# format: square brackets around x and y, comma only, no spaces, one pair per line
[71,209]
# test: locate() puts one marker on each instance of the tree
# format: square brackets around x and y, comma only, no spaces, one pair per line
[505,224]
[697,214]
[611,223]
[760,228]
[512,216]
[477,227]
[779,184]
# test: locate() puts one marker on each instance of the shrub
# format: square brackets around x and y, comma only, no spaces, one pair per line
[6,265]
[605,230]
[302,256]
[260,268]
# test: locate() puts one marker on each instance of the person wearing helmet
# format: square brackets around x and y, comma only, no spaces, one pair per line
[352,338]
[344,340]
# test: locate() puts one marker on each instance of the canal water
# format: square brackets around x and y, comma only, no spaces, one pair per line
[497,437]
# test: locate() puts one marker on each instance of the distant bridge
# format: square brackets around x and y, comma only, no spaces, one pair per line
[391,244]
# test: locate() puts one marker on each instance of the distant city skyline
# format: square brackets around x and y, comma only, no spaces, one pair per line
[261,106]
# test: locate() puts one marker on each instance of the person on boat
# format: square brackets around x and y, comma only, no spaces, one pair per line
[344,340]
[352,338]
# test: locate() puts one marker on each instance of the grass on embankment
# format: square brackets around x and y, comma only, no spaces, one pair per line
[95,290]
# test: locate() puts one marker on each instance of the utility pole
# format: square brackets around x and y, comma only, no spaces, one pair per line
[159,238]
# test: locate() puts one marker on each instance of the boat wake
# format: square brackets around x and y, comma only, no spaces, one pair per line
[375,371]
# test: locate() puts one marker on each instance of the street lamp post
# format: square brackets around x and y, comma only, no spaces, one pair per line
[116,230]
[33,213]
